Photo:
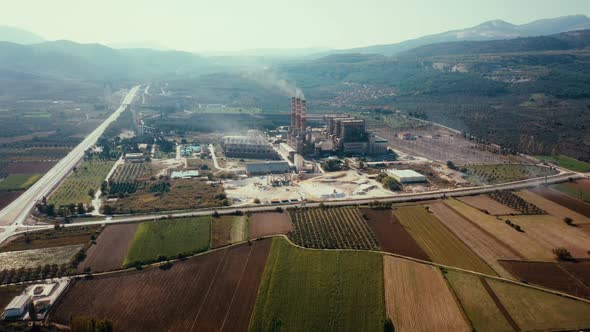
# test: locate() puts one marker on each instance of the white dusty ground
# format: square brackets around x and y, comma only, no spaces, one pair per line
[337,185]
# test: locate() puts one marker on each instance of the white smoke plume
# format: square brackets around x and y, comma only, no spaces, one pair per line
[271,80]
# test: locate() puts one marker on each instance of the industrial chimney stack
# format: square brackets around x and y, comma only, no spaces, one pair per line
[293,114]
[303,119]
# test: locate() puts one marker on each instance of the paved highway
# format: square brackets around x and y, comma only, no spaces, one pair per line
[16,213]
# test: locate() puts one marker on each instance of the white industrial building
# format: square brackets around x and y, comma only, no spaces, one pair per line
[17,307]
[406,176]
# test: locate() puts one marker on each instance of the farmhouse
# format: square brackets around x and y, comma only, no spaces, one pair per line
[17,307]
[406,176]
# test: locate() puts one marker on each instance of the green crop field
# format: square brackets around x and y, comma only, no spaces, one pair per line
[477,303]
[313,290]
[566,162]
[440,244]
[18,181]
[89,175]
[501,173]
[578,192]
[169,238]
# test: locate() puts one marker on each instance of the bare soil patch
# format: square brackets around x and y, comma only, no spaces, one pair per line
[29,167]
[580,269]
[549,275]
[200,294]
[564,200]
[485,203]
[110,249]
[391,235]
[553,208]
[269,223]
[8,196]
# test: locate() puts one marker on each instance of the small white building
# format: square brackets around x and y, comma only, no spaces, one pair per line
[185,174]
[17,307]
[406,176]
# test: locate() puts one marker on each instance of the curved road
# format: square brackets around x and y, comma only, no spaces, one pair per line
[16,212]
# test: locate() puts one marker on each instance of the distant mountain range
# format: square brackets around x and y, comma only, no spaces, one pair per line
[491,30]
[19,36]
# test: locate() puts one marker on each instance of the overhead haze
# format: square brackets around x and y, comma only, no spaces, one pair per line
[245,25]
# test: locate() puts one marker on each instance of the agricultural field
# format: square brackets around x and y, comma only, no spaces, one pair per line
[417,298]
[548,275]
[7,293]
[214,291]
[169,238]
[52,238]
[515,202]
[164,195]
[125,179]
[331,228]
[33,167]
[579,189]
[440,244]
[552,233]
[7,197]
[517,242]
[33,258]
[579,269]
[566,162]
[110,249]
[501,173]
[18,181]
[553,208]
[269,223]
[486,204]
[391,235]
[482,243]
[534,309]
[75,188]
[227,230]
[347,292]
[564,200]
[478,304]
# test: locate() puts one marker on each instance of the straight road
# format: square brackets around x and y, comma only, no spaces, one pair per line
[16,212]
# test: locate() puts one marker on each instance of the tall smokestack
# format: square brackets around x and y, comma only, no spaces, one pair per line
[293,113]
[297,113]
[303,114]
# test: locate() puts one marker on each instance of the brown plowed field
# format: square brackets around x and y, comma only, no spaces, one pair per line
[417,298]
[553,208]
[481,242]
[485,203]
[8,196]
[391,235]
[215,291]
[29,167]
[269,223]
[110,249]
[549,275]
[580,269]
[221,230]
[563,199]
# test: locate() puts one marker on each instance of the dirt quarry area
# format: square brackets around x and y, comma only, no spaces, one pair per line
[440,144]
[335,185]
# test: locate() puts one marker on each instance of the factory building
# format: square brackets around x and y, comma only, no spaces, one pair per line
[252,146]
[299,135]
[269,167]
[349,135]
[406,176]
[17,307]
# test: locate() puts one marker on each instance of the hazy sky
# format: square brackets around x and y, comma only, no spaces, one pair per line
[216,25]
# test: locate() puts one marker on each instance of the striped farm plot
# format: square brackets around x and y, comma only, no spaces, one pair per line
[520,242]
[553,208]
[439,243]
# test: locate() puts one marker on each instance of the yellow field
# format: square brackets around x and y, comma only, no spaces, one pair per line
[483,244]
[417,298]
[533,309]
[437,241]
[552,233]
[553,208]
[520,242]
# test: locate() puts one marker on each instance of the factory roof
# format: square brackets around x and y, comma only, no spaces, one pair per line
[268,167]
[18,302]
[184,174]
[244,140]
[405,173]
